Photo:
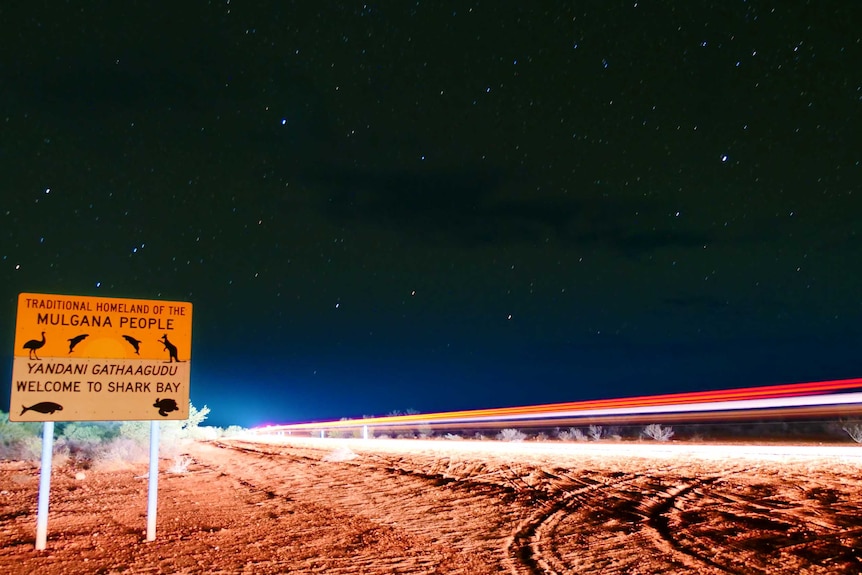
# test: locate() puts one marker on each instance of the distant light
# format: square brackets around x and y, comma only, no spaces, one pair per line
[98,284]
[283,121]
[724,157]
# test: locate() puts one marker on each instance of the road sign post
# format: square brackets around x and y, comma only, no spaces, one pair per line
[153,488]
[44,485]
[82,358]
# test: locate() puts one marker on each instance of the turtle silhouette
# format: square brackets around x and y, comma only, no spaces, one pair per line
[165,405]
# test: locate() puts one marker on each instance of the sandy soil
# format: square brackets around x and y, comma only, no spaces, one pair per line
[348,506]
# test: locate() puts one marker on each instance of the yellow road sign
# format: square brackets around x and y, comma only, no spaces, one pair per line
[82,358]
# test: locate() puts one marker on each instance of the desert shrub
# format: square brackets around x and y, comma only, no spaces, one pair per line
[180,464]
[81,452]
[20,441]
[22,449]
[89,432]
[204,433]
[397,412]
[452,437]
[82,441]
[596,432]
[510,434]
[348,433]
[196,417]
[120,453]
[170,430]
[854,430]
[61,456]
[233,431]
[100,441]
[424,431]
[572,434]
[174,431]
[12,430]
[138,431]
[657,432]
[171,433]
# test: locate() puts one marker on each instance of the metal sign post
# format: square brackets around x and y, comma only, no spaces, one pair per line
[44,485]
[153,489]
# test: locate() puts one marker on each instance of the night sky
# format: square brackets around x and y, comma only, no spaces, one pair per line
[444,205]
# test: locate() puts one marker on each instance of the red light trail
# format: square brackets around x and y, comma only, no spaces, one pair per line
[811,398]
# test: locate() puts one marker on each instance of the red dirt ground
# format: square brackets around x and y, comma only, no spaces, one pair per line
[380,507]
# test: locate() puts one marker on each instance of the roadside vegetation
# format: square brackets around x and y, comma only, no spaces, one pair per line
[107,444]
[103,444]
[835,430]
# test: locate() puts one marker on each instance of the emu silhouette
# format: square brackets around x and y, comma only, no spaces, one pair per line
[33,345]
[170,348]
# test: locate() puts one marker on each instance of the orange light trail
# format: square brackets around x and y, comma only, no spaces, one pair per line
[811,396]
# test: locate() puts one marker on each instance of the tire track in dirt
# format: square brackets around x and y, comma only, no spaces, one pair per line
[529,486]
[623,516]
[531,549]
[459,524]
[657,525]
[526,548]
[761,520]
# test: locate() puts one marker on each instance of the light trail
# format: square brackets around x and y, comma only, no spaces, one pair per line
[847,454]
[811,398]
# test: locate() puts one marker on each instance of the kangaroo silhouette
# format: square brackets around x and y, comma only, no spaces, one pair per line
[33,345]
[170,348]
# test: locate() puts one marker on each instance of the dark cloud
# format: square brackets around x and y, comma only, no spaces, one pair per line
[474,207]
